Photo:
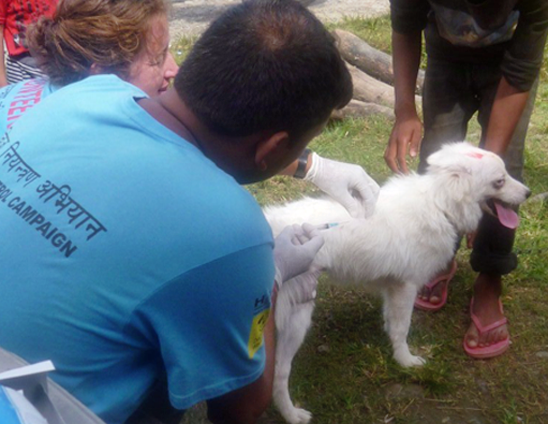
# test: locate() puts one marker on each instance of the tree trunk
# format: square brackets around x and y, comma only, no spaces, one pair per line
[368,59]
[369,90]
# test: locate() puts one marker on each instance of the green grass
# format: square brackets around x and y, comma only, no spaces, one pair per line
[375,31]
[344,373]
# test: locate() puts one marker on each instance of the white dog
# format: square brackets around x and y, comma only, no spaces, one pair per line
[410,238]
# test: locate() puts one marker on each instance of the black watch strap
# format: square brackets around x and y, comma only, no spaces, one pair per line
[301,166]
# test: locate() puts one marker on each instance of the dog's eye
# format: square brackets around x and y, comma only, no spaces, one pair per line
[499,183]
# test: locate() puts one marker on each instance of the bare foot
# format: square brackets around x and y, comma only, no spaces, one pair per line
[434,295]
[486,308]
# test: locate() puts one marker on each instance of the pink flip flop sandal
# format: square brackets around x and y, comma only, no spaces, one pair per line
[490,351]
[426,305]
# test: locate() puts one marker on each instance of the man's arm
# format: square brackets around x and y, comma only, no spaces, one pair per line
[347,183]
[507,109]
[247,404]
[520,68]
[524,54]
[292,168]
[3,77]
[407,131]
[294,250]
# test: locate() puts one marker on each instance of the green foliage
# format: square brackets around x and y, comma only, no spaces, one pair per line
[181,47]
[376,31]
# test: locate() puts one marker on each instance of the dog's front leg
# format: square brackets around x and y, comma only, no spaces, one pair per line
[398,307]
[292,323]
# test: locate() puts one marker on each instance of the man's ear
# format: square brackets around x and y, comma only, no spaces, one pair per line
[270,147]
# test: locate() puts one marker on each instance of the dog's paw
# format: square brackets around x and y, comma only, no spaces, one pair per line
[411,361]
[298,416]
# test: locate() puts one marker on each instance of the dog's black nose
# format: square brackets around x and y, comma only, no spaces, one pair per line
[528,194]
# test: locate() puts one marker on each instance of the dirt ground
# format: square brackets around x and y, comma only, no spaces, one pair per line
[191,17]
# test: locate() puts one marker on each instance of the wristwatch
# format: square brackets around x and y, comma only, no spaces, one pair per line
[301,166]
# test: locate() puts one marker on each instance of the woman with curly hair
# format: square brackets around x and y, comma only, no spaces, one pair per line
[87,37]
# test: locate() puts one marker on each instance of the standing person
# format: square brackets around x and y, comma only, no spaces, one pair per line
[483,56]
[131,256]
[15,17]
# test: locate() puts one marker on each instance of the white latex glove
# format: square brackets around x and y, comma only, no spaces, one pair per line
[294,250]
[295,293]
[302,288]
[347,183]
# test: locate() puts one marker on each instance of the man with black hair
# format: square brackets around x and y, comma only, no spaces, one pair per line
[483,56]
[131,256]
[347,183]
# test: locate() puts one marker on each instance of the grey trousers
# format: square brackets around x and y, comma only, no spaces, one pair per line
[452,94]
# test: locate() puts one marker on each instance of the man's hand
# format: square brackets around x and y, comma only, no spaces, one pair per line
[406,135]
[294,250]
[407,132]
[347,183]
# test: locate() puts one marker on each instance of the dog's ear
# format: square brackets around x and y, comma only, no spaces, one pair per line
[458,158]
[439,163]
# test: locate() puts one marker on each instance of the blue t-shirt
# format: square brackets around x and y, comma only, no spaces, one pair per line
[16,99]
[127,254]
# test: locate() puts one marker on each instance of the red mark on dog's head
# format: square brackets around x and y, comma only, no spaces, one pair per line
[475,155]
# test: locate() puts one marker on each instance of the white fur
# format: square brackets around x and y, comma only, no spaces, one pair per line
[408,240]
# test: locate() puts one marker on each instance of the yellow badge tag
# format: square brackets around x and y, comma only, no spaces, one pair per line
[256,334]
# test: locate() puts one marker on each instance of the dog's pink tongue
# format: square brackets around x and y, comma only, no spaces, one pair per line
[507,216]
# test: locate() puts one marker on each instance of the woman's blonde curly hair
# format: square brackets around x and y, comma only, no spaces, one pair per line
[108,34]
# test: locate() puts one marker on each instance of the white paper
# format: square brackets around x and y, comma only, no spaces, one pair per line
[38,368]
